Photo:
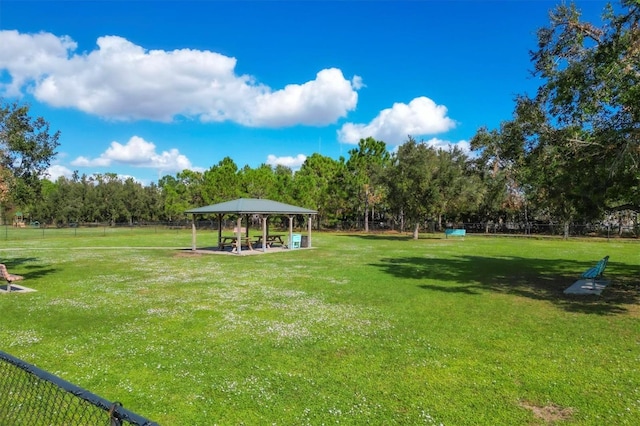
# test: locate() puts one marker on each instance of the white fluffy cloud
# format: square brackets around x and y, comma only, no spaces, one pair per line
[443,144]
[120,80]
[317,102]
[291,162]
[138,153]
[55,171]
[421,116]
[27,57]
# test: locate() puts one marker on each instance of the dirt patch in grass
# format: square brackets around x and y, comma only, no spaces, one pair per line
[189,253]
[550,413]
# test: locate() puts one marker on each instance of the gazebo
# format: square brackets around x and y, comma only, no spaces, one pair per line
[246,206]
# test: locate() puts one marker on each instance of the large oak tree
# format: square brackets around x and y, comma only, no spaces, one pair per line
[27,147]
[591,84]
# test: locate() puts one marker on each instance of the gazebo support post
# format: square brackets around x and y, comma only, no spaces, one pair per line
[309,232]
[239,234]
[193,232]
[290,229]
[219,229]
[265,219]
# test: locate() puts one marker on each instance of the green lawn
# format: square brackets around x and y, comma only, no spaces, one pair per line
[362,329]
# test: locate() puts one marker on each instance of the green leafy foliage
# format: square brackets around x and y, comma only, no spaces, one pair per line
[26,149]
[365,166]
[572,151]
[592,74]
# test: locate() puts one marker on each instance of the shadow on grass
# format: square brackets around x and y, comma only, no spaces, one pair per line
[15,266]
[18,261]
[540,279]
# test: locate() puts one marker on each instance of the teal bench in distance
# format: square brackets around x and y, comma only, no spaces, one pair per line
[454,233]
[597,271]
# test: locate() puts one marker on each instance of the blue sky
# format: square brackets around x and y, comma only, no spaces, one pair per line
[147,88]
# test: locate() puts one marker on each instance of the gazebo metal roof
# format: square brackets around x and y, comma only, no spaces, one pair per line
[251,206]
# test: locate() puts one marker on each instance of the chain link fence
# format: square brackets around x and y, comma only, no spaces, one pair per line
[30,396]
[40,231]
[596,229]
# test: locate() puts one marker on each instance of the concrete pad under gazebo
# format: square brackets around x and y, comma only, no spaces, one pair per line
[246,206]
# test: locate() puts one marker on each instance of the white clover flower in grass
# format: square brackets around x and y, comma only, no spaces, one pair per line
[126,385]
[157,311]
[25,338]
[71,303]
[282,330]
[301,318]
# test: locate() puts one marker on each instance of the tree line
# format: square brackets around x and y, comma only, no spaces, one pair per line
[427,182]
[568,155]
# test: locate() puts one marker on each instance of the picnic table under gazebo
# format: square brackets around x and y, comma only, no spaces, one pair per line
[251,206]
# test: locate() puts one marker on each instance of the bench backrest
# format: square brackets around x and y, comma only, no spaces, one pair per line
[597,270]
[458,232]
[4,274]
[601,265]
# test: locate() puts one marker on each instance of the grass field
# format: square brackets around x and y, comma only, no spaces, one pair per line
[362,329]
